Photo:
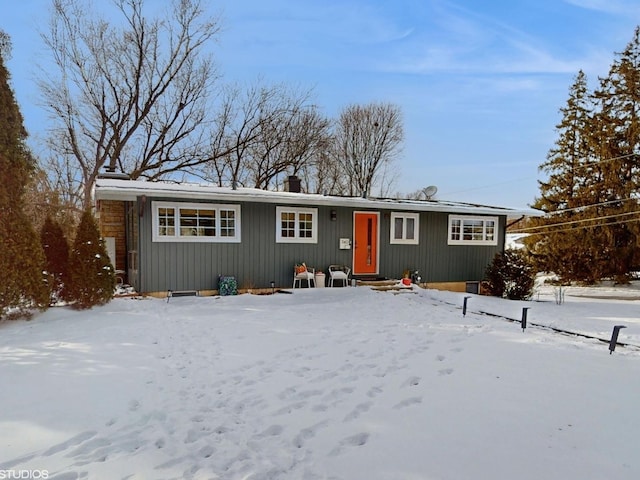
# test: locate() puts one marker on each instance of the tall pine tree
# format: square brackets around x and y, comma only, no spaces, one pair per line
[616,137]
[23,285]
[91,275]
[565,242]
[593,230]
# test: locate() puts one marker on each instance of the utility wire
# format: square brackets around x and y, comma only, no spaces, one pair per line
[573,222]
[520,179]
[600,162]
[584,227]
[576,228]
[573,209]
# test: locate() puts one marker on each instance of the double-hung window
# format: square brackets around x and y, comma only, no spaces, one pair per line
[296,225]
[466,230]
[195,222]
[404,228]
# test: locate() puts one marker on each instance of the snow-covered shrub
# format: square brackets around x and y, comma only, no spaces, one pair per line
[91,275]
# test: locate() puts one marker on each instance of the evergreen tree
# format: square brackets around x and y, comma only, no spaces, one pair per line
[91,275]
[616,136]
[56,250]
[593,230]
[565,241]
[21,259]
[510,275]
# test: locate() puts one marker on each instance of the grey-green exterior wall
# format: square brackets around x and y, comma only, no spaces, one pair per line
[258,259]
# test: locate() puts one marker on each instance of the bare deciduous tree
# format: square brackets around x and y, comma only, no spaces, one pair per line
[292,135]
[131,97]
[237,128]
[5,45]
[325,176]
[367,138]
[263,133]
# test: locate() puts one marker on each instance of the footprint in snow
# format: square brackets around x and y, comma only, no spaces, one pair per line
[325,376]
[272,431]
[290,408]
[411,382]
[307,433]
[73,441]
[408,402]
[195,435]
[355,413]
[206,451]
[338,393]
[374,392]
[357,440]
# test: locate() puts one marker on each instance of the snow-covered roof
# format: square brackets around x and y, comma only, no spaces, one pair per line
[119,189]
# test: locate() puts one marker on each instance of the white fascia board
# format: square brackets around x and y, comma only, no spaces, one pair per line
[129,190]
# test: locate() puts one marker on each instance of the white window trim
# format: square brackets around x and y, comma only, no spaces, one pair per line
[462,218]
[297,239]
[404,240]
[156,237]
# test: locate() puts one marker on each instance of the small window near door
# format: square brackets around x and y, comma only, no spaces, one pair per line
[404,228]
[296,225]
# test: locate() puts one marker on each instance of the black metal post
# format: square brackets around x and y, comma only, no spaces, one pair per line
[464,305]
[614,338]
[273,286]
[524,317]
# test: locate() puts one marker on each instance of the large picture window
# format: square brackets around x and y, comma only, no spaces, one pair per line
[473,230]
[195,222]
[404,228]
[296,225]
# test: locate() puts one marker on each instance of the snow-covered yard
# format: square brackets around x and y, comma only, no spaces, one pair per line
[342,383]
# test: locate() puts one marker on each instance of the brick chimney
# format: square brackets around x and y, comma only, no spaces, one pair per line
[293,184]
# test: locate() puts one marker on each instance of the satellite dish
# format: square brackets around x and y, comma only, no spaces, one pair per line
[429,191]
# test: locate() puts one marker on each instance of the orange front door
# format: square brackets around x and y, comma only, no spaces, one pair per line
[365,244]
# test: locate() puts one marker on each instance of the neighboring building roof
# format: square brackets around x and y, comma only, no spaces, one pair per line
[117,189]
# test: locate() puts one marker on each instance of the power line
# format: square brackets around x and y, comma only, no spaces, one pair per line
[506,182]
[606,160]
[552,228]
[573,209]
[573,222]
[583,227]
[521,179]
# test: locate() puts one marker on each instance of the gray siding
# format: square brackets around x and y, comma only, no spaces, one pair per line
[258,259]
[433,257]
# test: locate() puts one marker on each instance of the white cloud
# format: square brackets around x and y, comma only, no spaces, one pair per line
[607,6]
[460,40]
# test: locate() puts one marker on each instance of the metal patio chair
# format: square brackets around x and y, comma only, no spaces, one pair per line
[302,272]
[339,273]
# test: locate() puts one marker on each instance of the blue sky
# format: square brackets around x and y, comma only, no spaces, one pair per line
[479,83]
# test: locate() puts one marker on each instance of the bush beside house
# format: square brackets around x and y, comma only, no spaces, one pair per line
[510,275]
[91,275]
[56,250]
